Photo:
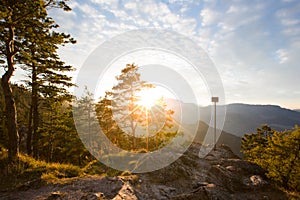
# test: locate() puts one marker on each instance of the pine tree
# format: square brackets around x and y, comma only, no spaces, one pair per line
[284,158]
[46,71]
[124,97]
[109,126]
[86,122]
[121,118]
[276,152]
[59,141]
[15,20]
[255,144]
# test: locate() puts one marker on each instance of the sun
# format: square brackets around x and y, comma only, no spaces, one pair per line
[148,97]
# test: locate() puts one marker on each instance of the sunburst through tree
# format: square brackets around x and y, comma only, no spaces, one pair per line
[134,114]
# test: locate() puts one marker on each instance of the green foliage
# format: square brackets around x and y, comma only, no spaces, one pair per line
[59,140]
[46,72]
[86,123]
[277,152]
[254,145]
[27,38]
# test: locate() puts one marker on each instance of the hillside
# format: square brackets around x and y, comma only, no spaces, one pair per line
[230,140]
[220,175]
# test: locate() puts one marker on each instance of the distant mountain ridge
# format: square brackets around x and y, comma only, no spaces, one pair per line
[240,118]
[245,118]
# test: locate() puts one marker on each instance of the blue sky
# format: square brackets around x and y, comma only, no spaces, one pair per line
[255,45]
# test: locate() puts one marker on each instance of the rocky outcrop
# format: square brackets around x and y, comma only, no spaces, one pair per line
[86,188]
[219,175]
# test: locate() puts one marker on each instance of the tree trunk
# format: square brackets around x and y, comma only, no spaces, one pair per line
[50,138]
[35,113]
[133,135]
[29,133]
[10,107]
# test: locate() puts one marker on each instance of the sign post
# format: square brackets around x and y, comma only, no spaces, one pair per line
[215,100]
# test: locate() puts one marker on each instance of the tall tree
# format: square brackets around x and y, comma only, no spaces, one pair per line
[16,17]
[46,71]
[128,124]
[9,22]
[84,110]
[124,98]
[109,126]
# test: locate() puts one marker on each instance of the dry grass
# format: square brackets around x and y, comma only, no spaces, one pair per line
[29,170]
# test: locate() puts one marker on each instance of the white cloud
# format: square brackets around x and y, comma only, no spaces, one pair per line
[290,22]
[288,1]
[111,4]
[209,17]
[243,42]
[293,31]
[184,9]
[183,2]
[282,55]
[241,37]
[130,5]
[237,9]
[88,10]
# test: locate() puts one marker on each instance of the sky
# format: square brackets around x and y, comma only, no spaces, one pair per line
[255,45]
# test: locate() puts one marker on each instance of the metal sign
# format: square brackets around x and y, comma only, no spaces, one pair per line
[215,99]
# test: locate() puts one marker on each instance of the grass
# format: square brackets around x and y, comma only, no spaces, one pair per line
[35,173]
[28,170]
[96,168]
